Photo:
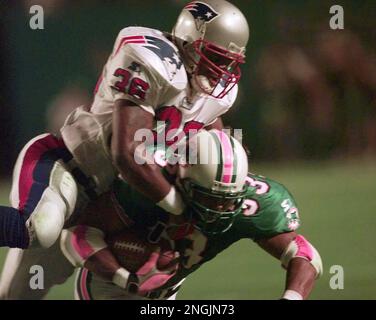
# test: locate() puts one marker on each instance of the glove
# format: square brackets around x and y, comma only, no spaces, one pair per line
[149,277]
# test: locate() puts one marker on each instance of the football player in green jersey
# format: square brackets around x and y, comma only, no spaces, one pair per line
[225,204]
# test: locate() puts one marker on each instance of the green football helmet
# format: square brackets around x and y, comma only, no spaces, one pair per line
[214,186]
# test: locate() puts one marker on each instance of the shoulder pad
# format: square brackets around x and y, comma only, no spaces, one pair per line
[269,209]
[157,53]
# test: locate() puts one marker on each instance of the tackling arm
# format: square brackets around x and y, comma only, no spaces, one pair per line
[84,245]
[300,258]
[146,178]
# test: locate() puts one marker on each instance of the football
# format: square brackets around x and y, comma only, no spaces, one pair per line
[132,251]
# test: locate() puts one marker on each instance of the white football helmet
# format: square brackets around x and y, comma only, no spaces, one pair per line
[214,185]
[212,35]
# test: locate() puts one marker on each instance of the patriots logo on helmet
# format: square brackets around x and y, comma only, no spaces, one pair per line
[202,13]
[165,52]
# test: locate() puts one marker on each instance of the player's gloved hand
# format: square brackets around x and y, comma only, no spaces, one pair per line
[149,277]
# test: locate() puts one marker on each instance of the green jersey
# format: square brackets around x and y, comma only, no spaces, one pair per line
[268,210]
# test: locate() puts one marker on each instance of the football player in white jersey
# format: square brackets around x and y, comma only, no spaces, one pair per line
[187,79]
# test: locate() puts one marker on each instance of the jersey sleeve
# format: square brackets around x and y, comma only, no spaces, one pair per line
[79,243]
[269,210]
[130,78]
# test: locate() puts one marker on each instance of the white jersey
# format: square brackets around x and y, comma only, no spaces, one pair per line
[145,67]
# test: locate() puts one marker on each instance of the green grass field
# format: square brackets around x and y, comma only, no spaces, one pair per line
[338,209]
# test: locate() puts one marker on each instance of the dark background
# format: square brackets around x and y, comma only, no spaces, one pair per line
[307,92]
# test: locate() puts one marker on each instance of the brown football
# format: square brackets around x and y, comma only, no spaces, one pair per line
[132,251]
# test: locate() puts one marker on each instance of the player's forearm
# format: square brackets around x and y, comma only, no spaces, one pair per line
[301,260]
[79,243]
[304,265]
[103,263]
[153,185]
[84,246]
[144,175]
[145,178]
[148,179]
[300,277]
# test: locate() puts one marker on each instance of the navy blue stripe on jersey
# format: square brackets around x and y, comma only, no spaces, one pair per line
[42,175]
[64,154]
[87,183]
[41,181]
